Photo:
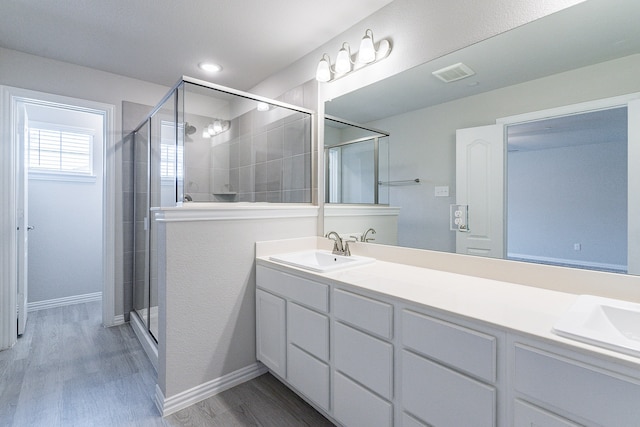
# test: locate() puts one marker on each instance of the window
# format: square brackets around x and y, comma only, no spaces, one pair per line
[56,150]
[168,159]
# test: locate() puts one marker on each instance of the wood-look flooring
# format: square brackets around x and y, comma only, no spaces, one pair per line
[67,370]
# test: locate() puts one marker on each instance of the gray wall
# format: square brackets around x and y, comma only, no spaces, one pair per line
[562,196]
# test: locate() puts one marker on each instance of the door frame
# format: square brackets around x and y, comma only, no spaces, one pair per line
[9,97]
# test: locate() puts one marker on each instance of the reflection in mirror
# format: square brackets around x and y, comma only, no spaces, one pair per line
[567,190]
[357,190]
[584,58]
[356,162]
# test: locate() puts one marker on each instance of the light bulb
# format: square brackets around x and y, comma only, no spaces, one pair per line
[263,106]
[217,127]
[367,52]
[343,61]
[323,72]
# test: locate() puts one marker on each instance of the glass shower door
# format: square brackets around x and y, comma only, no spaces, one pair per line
[141,221]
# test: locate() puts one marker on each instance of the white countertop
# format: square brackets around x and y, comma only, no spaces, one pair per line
[521,309]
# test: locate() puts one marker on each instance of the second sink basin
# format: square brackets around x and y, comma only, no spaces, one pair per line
[605,322]
[320,261]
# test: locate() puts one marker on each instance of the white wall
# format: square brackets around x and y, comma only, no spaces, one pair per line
[207,308]
[422,142]
[562,196]
[65,248]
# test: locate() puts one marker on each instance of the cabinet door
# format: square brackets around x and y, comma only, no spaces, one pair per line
[271,343]
[574,388]
[308,330]
[526,415]
[355,406]
[442,397]
[364,358]
[309,375]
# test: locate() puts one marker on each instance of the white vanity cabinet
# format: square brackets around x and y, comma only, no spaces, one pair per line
[448,373]
[292,331]
[367,358]
[553,387]
[363,360]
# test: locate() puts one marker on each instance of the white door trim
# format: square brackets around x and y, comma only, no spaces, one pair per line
[579,108]
[8,181]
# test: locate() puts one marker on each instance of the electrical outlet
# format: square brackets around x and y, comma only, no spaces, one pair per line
[577,247]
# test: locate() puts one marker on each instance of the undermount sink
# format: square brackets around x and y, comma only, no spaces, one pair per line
[604,322]
[320,261]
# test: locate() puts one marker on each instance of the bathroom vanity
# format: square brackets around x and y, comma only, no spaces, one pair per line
[386,344]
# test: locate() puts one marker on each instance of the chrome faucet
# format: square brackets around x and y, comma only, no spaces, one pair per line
[338,247]
[364,236]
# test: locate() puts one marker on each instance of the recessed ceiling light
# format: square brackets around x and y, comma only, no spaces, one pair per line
[210,67]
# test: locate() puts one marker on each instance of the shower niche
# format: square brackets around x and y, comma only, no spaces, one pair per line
[204,143]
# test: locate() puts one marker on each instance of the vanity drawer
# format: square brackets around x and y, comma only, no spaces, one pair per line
[453,345]
[409,421]
[308,330]
[354,405]
[365,313]
[442,397]
[574,388]
[309,375]
[366,359]
[526,415]
[306,292]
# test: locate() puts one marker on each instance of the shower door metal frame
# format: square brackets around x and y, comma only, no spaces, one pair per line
[147,274]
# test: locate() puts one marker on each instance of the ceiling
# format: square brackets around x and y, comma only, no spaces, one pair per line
[160,40]
[584,34]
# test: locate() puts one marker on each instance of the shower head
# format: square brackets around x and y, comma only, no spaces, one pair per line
[189,129]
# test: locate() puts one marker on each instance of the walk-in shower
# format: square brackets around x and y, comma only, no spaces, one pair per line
[208,143]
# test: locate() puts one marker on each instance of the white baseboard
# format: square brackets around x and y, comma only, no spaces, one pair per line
[61,302]
[168,406]
[118,320]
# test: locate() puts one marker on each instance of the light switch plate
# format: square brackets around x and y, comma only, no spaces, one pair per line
[442,191]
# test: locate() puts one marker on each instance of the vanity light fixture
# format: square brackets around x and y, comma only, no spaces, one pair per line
[343,60]
[323,72]
[216,127]
[368,54]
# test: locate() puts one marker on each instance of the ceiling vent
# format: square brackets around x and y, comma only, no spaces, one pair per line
[453,72]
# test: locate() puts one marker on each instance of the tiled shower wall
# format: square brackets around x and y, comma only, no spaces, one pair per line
[264,157]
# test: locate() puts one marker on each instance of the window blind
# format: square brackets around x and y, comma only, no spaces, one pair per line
[53,150]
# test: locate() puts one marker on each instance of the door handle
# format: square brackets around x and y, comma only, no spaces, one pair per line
[30,227]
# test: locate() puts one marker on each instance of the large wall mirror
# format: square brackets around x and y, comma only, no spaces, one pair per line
[540,142]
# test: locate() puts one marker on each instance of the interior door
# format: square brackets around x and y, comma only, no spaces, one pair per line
[22,213]
[480,185]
